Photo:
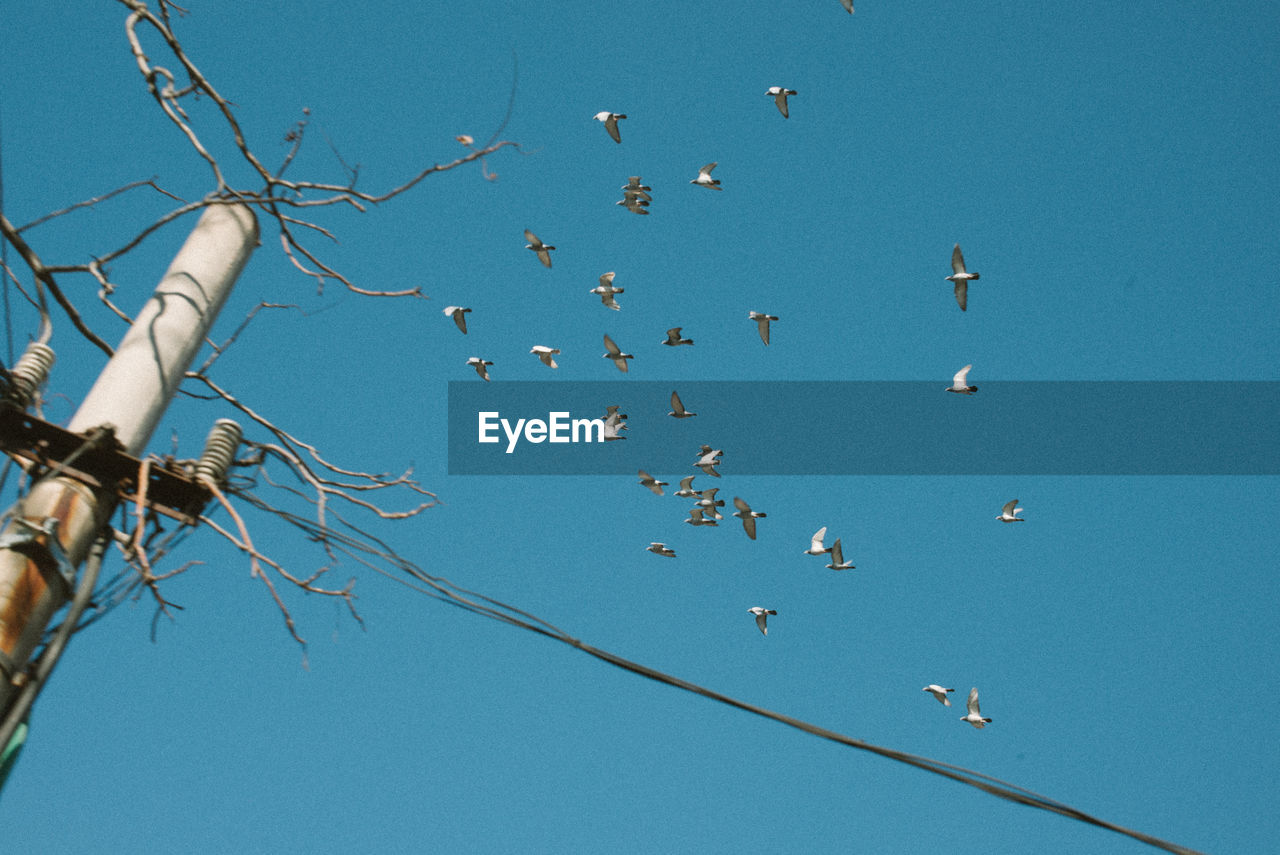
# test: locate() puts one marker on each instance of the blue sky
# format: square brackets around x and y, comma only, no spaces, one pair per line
[1109,169]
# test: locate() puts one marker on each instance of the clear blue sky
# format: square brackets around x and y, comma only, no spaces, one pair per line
[1109,168]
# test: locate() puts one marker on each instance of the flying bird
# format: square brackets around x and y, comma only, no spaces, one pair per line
[612,426]
[538,247]
[1010,511]
[780,94]
[677,408]
[762,324]
[613,352]
[961,277]
[606,291]
[708,502]
[481,366]
[747,516]
[762,619]
[704,178]
[635,189]
[674,339]
[815,543]
[654,485]
[959,383]
[610,123]
[459,315]
[848,5]
[708,460]
[939,693]
[686,487]
[975,715]
[837,558]
[696,518]
[661,549]
[546,354]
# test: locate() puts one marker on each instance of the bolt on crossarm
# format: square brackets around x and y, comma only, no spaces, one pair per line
[51,529]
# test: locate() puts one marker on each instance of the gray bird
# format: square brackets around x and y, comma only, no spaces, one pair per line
[961,277]
[837,558]
[654,485]
[762,324]
[848,5]
[546,354]
[661,549]
[610,123]
[696,518]
[780,94]
[674,339]
[686,487]
[708,460]
[481,366]
[634,188]
[747,516]
[615,353]
[762,619]
[538,247]
[459,315]
[704,178]
[677,408]
[708,502]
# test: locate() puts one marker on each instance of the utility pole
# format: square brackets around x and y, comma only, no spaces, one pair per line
[51,529]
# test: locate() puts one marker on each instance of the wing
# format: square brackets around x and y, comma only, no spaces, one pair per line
[781,100]
[532,238]
[687,483]
[741,505]
[611,125]
[676,403]
[837,555]
[1007,510]
[621,363]
[763,622]
[762,324]
[957,260]
[606,279]
[961,378]
[972,703]
[749,525]
[544,257]
[962,294]
[673,334]
[815,542]
[848,5]
[613,348]
[706,170]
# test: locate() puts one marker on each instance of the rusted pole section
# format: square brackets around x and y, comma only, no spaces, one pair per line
[52,528]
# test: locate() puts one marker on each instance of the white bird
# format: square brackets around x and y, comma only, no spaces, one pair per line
[960,383]
[635,189]
[1010,511]
[613,352]
[837,558]
[848,4]
[762,619]
[674,339]
[696,518]
[704,178]
[612,426]
[939,692]
[762,324]
[975,715]
[708,502]
[815,543]
[677,408]
[780,94]
[538,247]
[709,460]
[961,277]
[546,354]
[480,365]
[747,516]
[654,485]
[610,123]
[686,488]
[606,291]
[661,549]
[459,315]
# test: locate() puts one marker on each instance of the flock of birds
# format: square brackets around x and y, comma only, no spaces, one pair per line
[637,197]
